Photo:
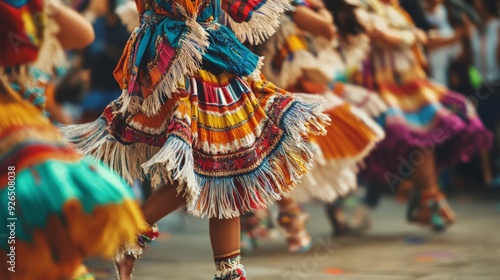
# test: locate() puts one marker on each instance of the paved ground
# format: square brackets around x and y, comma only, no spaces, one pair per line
[392,249]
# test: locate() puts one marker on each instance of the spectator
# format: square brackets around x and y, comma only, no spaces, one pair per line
[101,58]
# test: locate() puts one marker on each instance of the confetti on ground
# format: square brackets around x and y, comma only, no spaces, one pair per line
[334,271]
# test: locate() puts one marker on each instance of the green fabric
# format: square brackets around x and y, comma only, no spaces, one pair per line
[43,190]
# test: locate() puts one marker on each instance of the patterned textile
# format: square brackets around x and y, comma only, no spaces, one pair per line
[423,117]
[61,207]
[195,111]
[305,64]
[22,31]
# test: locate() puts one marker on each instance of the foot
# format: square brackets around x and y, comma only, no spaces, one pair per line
[293,222]
[238,274]
[125,268]
[359,227]
[125,261]
[339,226]
[430,208]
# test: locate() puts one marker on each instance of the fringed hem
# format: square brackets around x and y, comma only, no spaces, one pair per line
[213,197]
[175,162]
[188,60]
[327,182]
[331,178]
[129,15]
[263,23]
[256,74]
[230,197]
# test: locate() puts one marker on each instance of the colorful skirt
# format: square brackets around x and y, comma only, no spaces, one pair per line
[59,207]
[232,145]
[301,63]
[350,138]
[423,119]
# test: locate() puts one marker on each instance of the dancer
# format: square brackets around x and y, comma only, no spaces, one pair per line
[197,120]
[301,56]
[427,126]
[61,207]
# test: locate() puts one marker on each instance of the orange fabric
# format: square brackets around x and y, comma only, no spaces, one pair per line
[352,136]
[70,240]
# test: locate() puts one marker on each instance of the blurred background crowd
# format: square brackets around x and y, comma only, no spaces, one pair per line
[464,54]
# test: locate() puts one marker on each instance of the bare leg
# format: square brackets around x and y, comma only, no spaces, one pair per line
[162,202]
[485,164]
[224,235]
[225,240]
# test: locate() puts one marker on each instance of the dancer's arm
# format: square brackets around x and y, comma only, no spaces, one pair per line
[74,31]
[437,41]
[318,23]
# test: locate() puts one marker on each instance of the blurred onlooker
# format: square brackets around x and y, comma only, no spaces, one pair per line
[485,49]
[102,56]
[444,40]
[485,45]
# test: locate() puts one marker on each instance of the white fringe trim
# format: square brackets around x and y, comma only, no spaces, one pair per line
[188,60]
[330,179]
[129,15]
[176,158]
[262,24]
[255,75]
[208,196]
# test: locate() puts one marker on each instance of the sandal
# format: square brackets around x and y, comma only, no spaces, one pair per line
[430,208]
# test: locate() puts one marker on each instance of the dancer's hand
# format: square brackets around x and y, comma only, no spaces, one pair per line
[421,36]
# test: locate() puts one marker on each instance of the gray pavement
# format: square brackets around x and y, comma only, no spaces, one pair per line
[391,250]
